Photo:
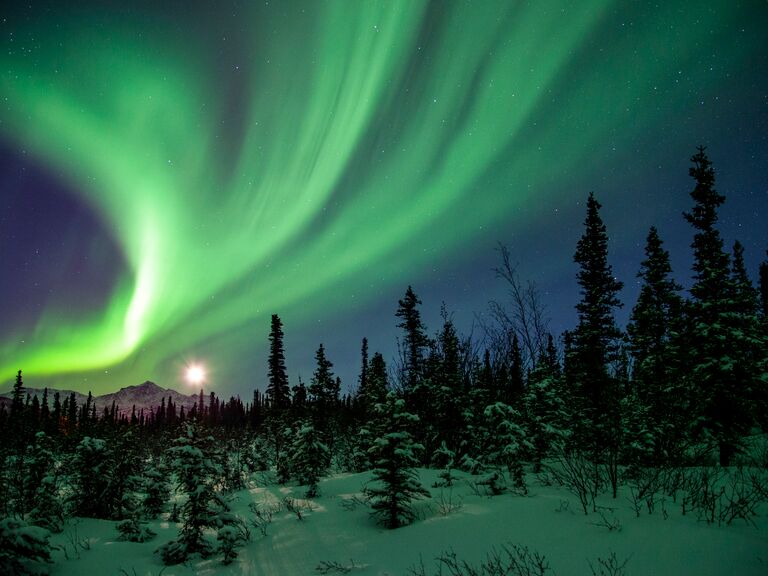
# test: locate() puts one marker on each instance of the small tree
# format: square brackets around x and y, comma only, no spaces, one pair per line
[309,458]
[393,455]
[89,478]
[504,441]
[22,547]
[156,488]
[197,473]
[42,484]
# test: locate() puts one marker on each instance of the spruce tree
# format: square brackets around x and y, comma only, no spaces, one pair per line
[546,406]
[749,340]
[654,328]
[414,340]
[42,485]
[745,295]
[309,458]
[24,549]
[156,488]
[277,390]
[595,337]
[449,393]
[504,441]
[322,389]
[395,483]
[196,472]
[362,380]
[716,384]
[90,479]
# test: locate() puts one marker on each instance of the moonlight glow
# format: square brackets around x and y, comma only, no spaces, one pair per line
[194,374]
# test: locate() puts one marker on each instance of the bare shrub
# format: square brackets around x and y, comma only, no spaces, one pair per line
[509,560]
[579,476]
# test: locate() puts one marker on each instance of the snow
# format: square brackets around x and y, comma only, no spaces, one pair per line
[337,527]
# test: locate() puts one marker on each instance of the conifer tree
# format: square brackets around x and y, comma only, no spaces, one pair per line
[156,488]
[89,479]
[546,406]
[504,441]
[17,396]
[719,390]
[395,483]
[749,340]
[196,472]
[654,329]
[378,382]
[362,380]
[595,337]
[24,549]
[309,458]
[448,390]
[414,340]
[277,390]
[323,390]
[42,485]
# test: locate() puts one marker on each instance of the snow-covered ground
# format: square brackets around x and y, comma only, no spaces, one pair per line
[340,529]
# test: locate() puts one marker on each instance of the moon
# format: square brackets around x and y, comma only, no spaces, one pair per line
[195,374]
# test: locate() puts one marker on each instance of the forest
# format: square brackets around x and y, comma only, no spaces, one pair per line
[673,407]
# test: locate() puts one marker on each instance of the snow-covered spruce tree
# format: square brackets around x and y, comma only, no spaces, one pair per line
[450,394]
[324,389]
[546,402]
[595,342]
[444,458]
[752,362]
[196,471]
[395,483]
[42,485]
[412,370]
[89,479]
[233,466]
[504,442]
[156,488]
[133,529]
[658,400]
[309,457]
[125,480]
[23,548]
[718,375]
[375,392]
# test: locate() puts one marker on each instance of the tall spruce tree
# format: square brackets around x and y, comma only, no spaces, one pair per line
[278,391]
[449,392]
[654,327]
[362,381]
[595,338]
[749,339]
[714,373]
[415,338]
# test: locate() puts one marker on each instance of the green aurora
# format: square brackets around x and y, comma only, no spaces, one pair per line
[353,143]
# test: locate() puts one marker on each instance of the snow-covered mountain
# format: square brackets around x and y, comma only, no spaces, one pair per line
[147,396]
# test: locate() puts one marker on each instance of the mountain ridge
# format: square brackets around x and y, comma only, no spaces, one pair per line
[146,396]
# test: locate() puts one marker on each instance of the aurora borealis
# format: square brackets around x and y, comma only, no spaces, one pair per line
[212,166]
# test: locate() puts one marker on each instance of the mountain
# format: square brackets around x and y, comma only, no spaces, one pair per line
[147,396]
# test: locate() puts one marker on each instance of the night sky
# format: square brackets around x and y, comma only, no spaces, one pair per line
[171,174]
